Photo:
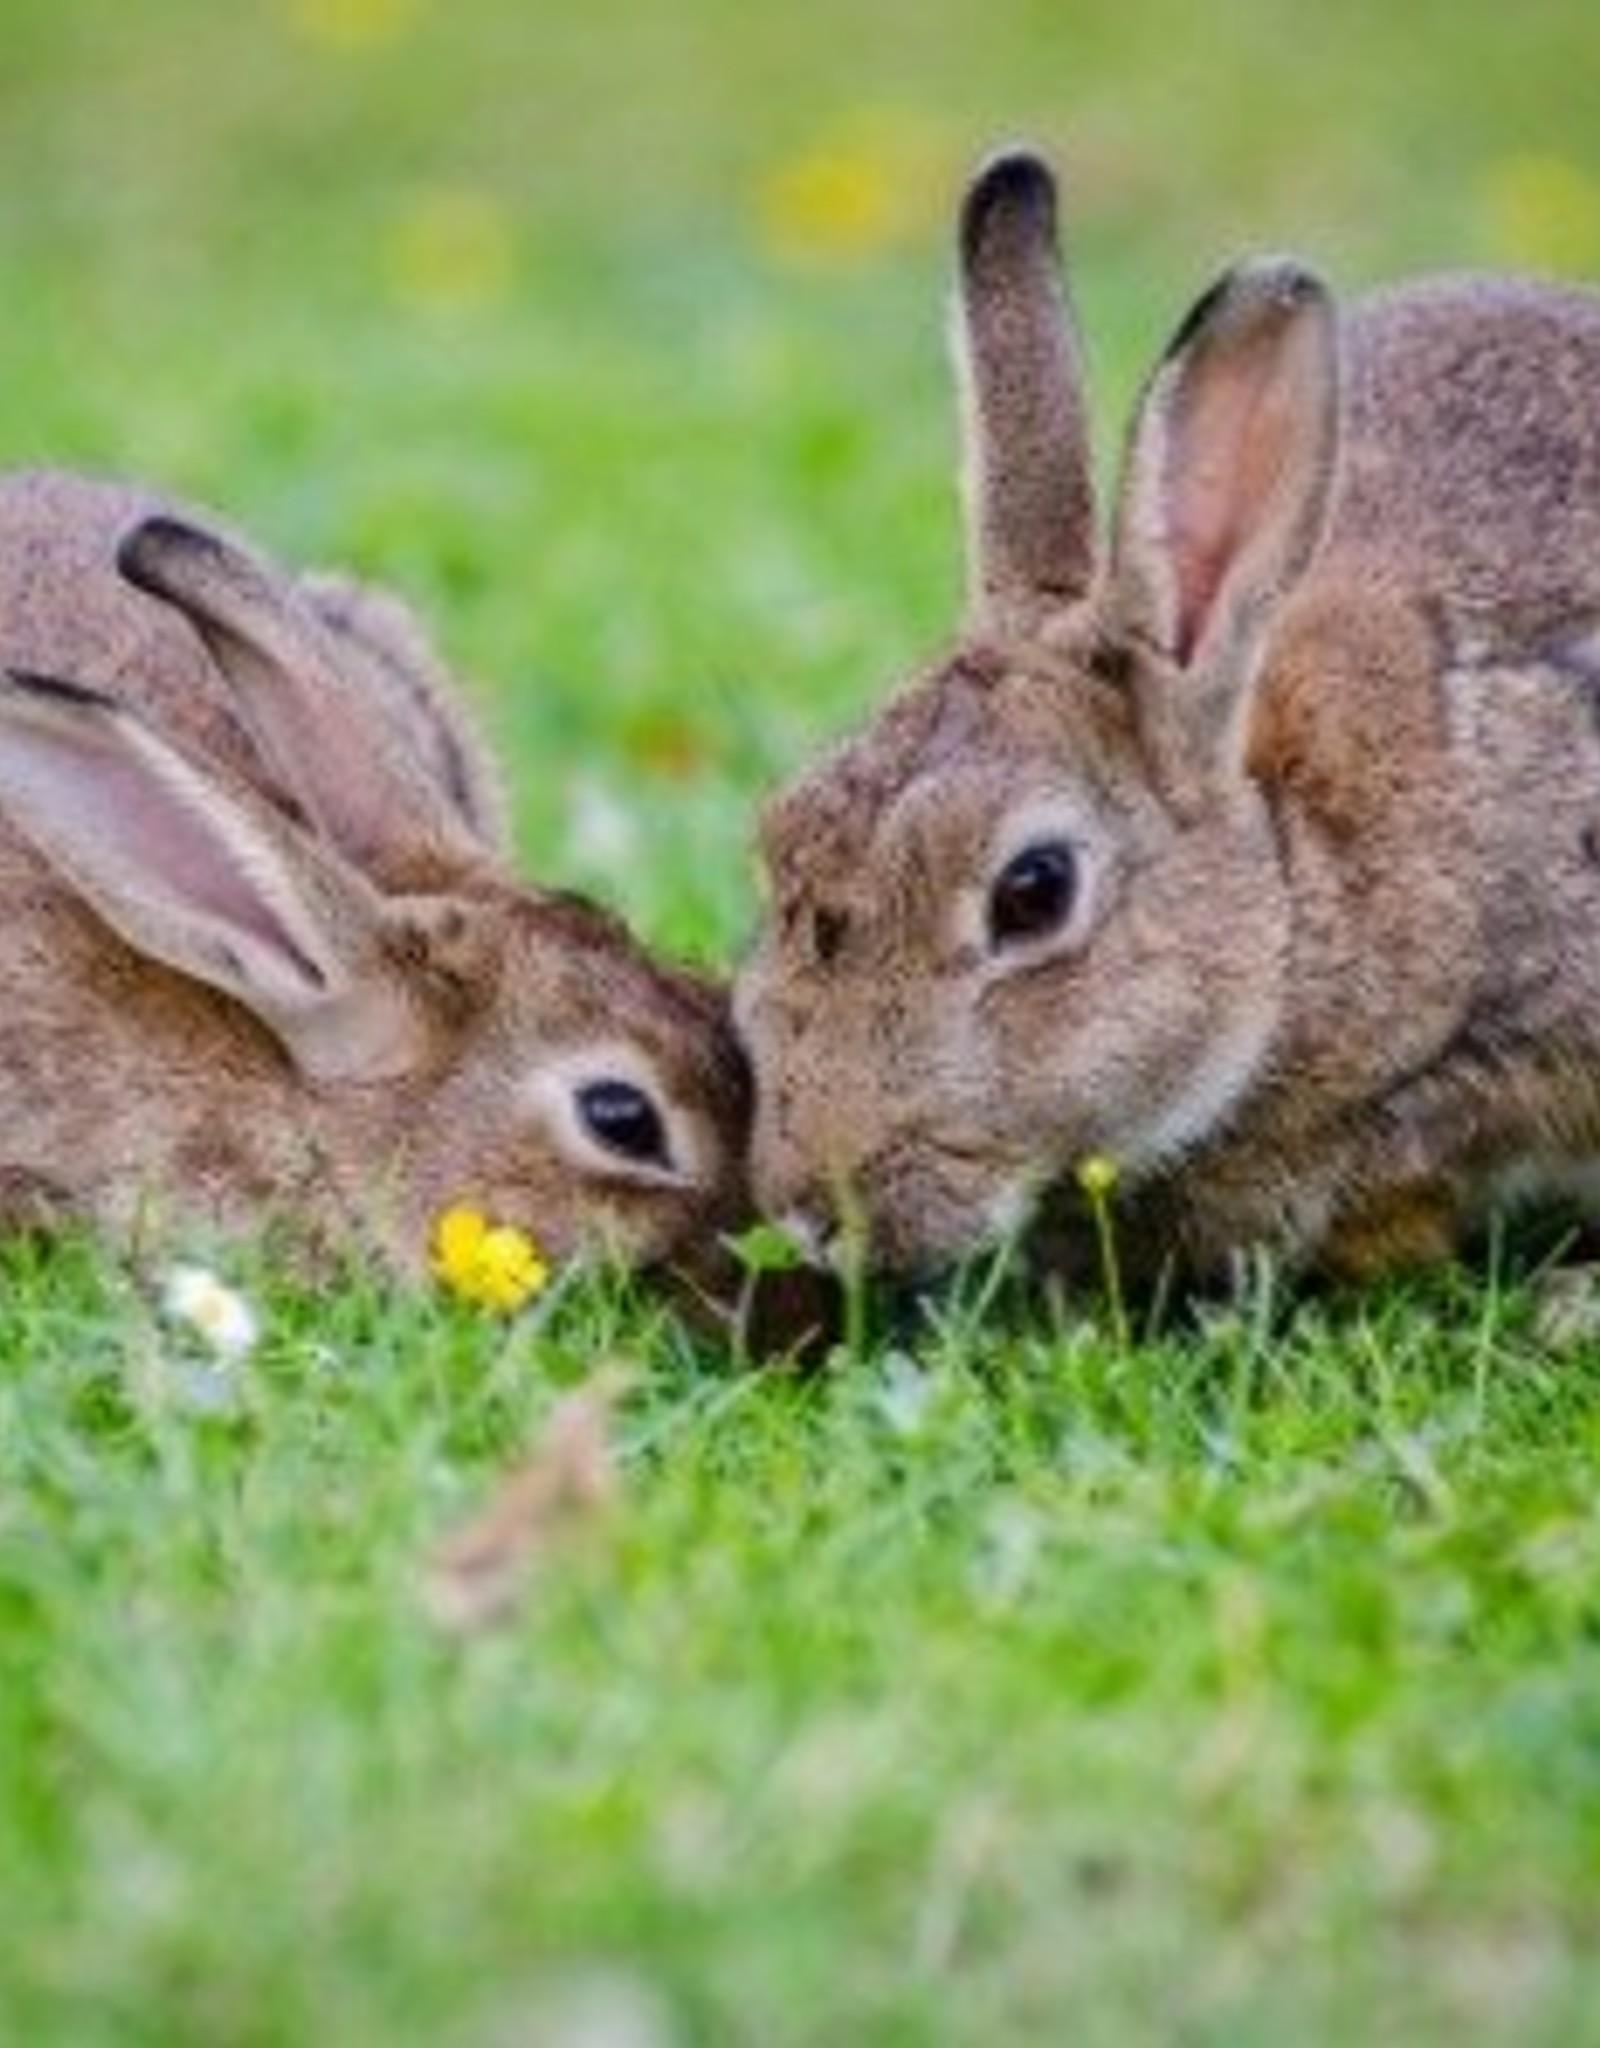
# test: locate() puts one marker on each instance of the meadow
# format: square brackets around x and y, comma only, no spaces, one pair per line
[1015,1680]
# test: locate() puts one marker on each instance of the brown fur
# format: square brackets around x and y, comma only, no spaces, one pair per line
[1321,724]
[388,1022]
[65,611]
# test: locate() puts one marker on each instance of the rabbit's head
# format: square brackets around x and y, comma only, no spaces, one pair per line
[356,963]
[1035,910]
[579,1087]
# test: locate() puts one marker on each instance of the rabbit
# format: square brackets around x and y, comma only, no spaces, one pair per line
[262,957]
[1253,851]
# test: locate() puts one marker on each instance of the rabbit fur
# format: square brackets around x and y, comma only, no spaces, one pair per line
[1254,846]
[262,957]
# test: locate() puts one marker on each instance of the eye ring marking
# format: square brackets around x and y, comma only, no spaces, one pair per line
[1034,894]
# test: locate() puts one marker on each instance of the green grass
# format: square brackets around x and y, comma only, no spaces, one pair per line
[1006,1685]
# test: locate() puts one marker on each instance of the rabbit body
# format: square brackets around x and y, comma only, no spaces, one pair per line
[1426,742]
[262,959]
[1257,848]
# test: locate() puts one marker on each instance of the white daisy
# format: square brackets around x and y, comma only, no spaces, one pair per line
[217,1314]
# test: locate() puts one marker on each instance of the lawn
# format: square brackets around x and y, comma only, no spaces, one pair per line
[1010,1683]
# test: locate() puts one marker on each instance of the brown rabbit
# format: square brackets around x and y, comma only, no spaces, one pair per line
[261,956]
[1256,849]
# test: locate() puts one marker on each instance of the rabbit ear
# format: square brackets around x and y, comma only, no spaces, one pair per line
[205,877]
[1228,481]
[361,792]
[416,692]
[1029,491]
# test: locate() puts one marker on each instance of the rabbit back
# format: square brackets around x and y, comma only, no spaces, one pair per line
[64,610]
[1472,452]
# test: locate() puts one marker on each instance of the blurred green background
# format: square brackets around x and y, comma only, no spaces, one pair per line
[1239,1691]
[614,334]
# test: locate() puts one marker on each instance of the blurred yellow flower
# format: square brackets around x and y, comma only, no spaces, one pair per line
[829,204]
[1098,1176]
[1543,212]
[867,188]
[350,24]
[451,250]
[493,1266]
[666,745]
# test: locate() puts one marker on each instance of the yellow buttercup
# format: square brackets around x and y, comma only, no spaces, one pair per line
[492,1265]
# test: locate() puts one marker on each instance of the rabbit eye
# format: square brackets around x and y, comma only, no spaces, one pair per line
[1034,893]
[625,1121]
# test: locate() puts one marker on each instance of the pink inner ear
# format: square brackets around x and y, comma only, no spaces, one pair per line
[1201,564]
[1224,459]
[111,817]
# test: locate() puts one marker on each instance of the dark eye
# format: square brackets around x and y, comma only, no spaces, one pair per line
[1033,894]
[624,1120]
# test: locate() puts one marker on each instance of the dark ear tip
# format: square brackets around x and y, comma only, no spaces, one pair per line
[1259,290]
[147,548]
[1282,282]
[1016,186]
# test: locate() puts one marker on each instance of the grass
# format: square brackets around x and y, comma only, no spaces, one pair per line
[1011,1683]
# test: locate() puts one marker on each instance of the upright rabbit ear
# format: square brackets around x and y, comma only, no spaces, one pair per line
[1226,489]
[1029,490]
[308,714]
[205,877]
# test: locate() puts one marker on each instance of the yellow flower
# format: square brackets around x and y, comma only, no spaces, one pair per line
[829,205]
[451,250]
[350,24]
[492,1265]
[867,187]
[1098,1176]
[1542,210]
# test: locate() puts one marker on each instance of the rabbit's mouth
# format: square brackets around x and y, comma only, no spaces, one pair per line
[912,1212]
